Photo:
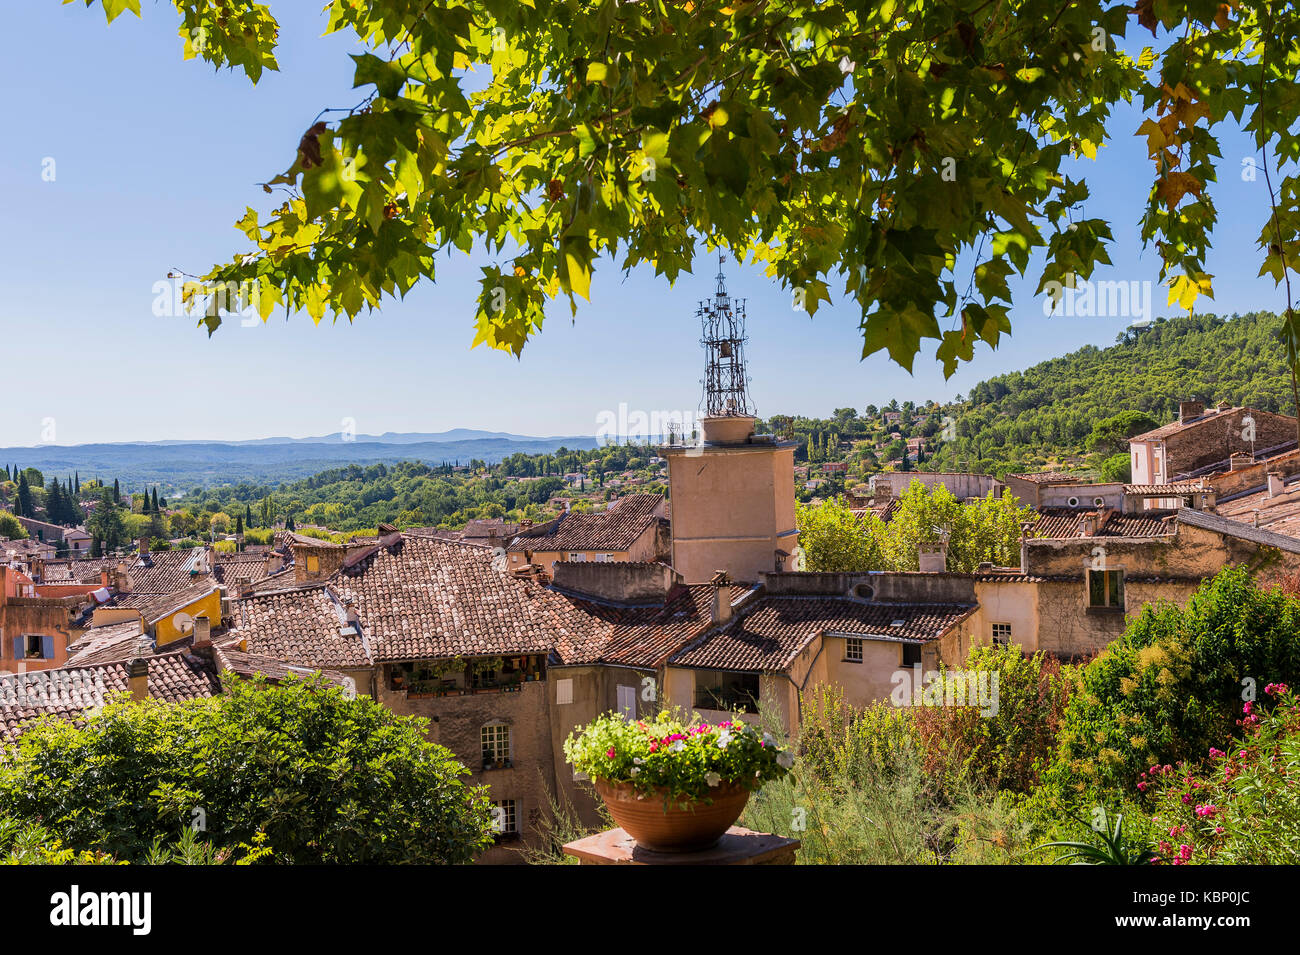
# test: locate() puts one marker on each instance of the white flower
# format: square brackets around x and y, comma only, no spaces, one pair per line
[678,746]
[712,778]
[724,738]
[635,770]
[784,759]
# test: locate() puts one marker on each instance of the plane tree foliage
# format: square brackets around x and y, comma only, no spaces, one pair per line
[870,147]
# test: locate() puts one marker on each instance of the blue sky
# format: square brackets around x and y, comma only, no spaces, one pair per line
[156,157]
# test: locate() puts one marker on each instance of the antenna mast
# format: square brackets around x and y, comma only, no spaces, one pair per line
[726,392]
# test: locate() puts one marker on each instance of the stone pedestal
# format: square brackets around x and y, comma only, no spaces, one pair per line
[738,847]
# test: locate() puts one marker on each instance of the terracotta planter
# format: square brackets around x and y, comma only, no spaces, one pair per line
[673,827]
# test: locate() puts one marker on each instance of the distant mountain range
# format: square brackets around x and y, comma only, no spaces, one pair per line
[184,465]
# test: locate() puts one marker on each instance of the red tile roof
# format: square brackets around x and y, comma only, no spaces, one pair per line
[615,529]
[772,632]
[636,636]
[69,691]
[302,627]
[1064,522]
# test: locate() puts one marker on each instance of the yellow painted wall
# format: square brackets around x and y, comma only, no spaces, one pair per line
[169,628]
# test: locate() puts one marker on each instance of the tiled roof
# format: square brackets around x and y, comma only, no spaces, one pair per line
[1280,513]
[79,570]
[1174,490]
[166,571]
[1242,531]
[247,664]
[233,567]
[614,529]
[1175,426]
[1058,523]
[68,691]
[154,607]
[302,627]
[119,641]
[427,598]
[1051,477]
[772,632]
[636,636]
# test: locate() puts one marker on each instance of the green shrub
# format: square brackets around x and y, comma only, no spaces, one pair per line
[297,769]
[1172,685]
[1011,747]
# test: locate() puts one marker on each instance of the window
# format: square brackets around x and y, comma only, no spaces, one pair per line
[34,646]
[1002,634]
[911,654]
[853,649]
[504,818]
[627,701]
[563,691]
[496,746]
[579,557]
[718,690]
[1106,589]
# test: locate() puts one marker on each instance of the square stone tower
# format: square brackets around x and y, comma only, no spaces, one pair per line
[732,490]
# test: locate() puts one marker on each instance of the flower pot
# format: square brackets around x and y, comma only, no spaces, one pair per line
[673,826]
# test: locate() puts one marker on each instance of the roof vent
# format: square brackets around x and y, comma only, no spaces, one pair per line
[898,623]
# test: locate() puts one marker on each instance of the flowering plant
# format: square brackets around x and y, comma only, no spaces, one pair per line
[688,760]
[1240,806]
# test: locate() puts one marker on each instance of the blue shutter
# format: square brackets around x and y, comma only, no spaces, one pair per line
[20,648]
[47,648]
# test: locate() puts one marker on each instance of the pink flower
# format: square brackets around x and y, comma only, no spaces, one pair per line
[1207,810]
[609,753]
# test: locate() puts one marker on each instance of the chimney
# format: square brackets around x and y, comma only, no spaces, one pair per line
[137,678]
[121,579]
[353,616]
[1088,525]
[1025,528]
[241,585]
[1275,486]
[1188,410]
[143,546]
[274,562]
[932,558]
[720,609]
[202,631]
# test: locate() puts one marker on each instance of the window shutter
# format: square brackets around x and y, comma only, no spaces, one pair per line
[20,648]
[47,648]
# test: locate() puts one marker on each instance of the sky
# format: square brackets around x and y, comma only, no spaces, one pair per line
[154,158]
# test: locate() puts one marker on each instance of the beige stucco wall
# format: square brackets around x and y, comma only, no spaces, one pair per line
[733,508]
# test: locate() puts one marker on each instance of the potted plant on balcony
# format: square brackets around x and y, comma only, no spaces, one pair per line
[675,786]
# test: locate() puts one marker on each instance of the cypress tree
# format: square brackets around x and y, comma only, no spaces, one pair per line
[23,506]
[117,492]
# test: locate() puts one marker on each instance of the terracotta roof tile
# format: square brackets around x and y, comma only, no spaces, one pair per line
[614,529]
[772,632]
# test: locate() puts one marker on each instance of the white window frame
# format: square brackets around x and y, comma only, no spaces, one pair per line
[563,691]
[626,698]
[497,742]
[505,817]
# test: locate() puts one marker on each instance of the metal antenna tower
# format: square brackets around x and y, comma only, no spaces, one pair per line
[726,392]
